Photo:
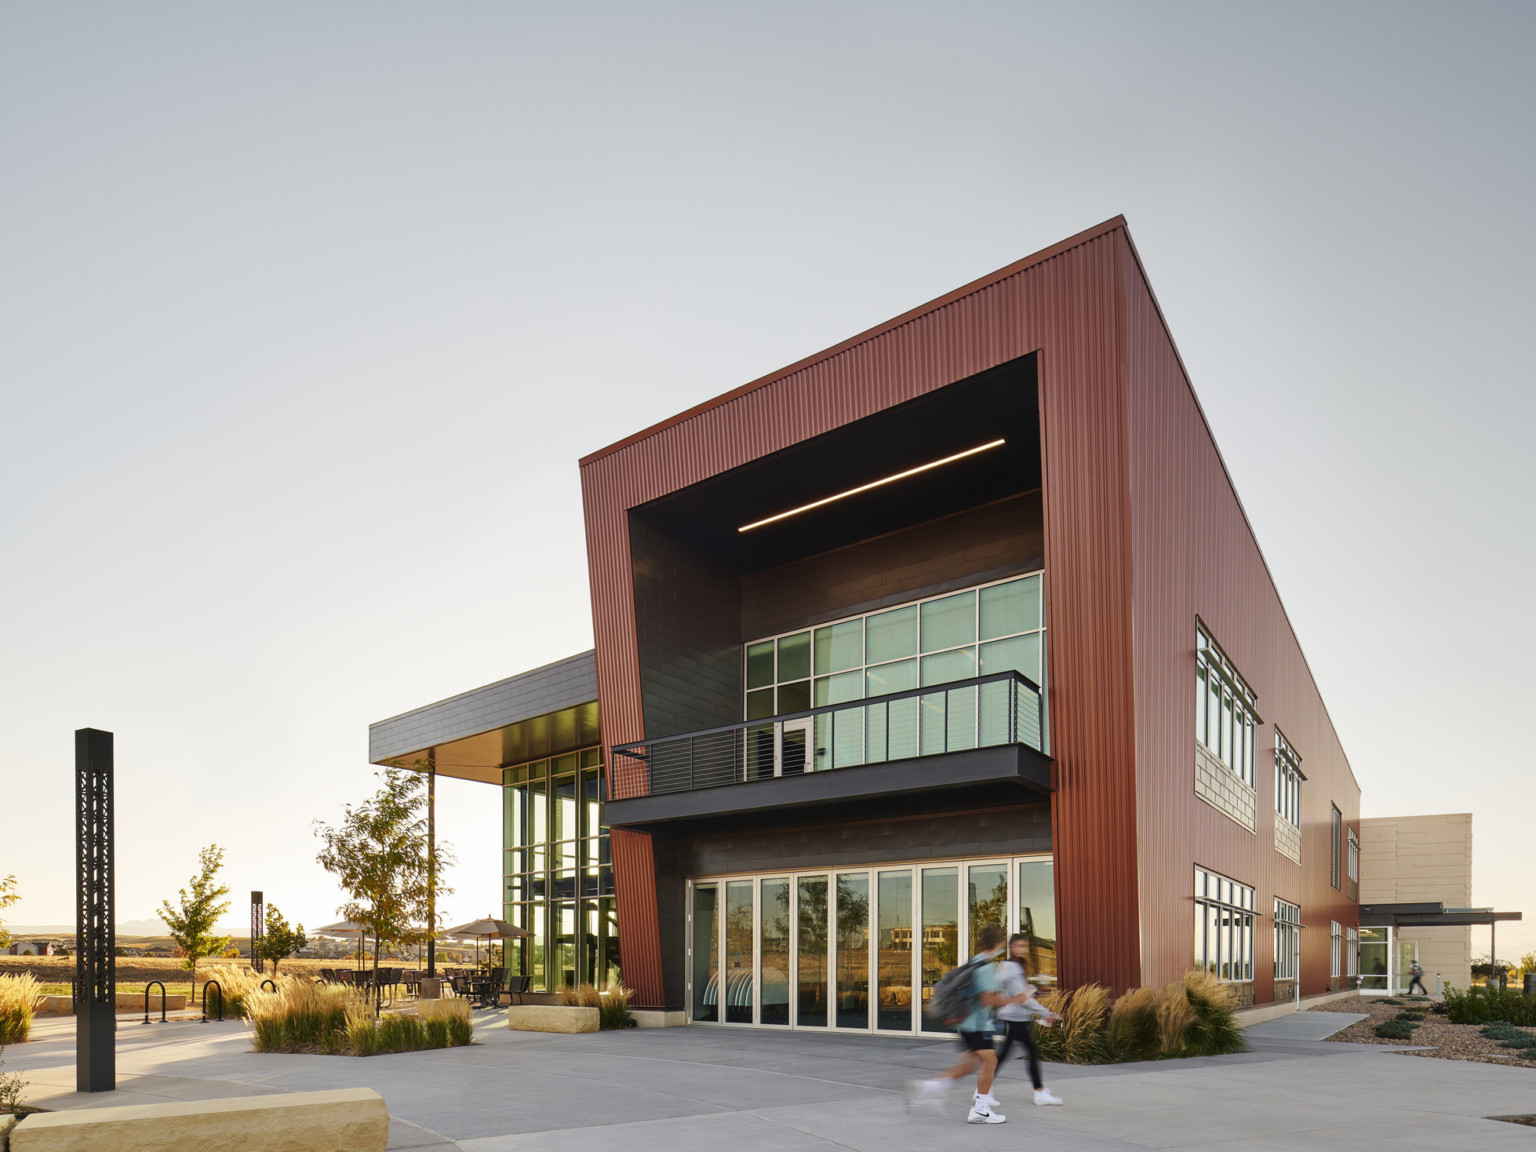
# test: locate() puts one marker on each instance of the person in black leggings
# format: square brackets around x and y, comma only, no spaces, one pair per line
[1017,1014]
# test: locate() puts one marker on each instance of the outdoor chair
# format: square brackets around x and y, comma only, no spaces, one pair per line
[516,986]
[460,985]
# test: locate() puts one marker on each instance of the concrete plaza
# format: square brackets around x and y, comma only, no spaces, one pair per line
[743,1091]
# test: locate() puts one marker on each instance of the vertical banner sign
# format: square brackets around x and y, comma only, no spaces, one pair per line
[258,930]
[95,997]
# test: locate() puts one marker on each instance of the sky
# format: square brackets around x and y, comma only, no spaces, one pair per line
[307,312]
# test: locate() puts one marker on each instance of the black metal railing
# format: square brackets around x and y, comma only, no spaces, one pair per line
[1003,708]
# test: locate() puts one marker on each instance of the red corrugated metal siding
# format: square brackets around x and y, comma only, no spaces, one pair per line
[634,874]
[1066,305]
[1195,553]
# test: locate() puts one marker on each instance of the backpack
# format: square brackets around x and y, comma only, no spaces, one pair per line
[954,997]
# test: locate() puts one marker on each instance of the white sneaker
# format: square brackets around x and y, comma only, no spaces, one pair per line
[982,1114]
[1045,1096]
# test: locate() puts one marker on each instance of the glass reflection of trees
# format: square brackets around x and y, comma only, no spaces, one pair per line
[853,951]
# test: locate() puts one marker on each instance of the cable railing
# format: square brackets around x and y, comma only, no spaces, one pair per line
[984,712]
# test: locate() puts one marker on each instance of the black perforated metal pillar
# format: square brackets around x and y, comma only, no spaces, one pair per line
[258,930]
[95,942]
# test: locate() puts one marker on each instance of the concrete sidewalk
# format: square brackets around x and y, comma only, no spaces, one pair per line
[749,1090]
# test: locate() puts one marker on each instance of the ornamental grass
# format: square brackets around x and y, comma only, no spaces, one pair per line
[334,1020]
[1195,1016]
[18,997]
[611,1002]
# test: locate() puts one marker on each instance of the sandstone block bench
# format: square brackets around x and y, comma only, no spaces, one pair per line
[345,1120]
[551,1018]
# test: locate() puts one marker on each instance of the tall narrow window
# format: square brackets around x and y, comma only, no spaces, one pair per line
[1226,710]
[1335,849]
[1354,857]
[1287,937]
[1288,778]
[1351,953]
[1335,948]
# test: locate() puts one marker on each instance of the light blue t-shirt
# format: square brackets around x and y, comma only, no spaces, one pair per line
[984,979]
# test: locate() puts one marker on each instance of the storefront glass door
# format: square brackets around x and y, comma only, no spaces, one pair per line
[846,949]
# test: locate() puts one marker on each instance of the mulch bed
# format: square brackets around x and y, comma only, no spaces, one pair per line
[1440,1039]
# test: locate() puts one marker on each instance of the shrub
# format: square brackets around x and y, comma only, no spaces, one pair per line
[1049,1039]
[303,1017]
[11,1087]
[1175,1018]
[613,1011]
[1395,1030]
[581,996]
[1132,1030]
[18,996]
[1082,1026]
[1387,1000]
[1485,1005]
[1414,1016]
[1215,1031]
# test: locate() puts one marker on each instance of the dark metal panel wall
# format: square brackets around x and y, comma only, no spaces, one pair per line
[1066,304]
[1195,553]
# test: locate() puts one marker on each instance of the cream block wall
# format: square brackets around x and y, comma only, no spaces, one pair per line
[1423,859]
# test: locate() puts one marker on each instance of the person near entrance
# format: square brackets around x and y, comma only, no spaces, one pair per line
[976,1051]
[1018,1012]
[1418,980]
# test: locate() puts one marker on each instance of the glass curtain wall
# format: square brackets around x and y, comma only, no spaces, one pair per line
[558,872]
[993,628]
[856,948]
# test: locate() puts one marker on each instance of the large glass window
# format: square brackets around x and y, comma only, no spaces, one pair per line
[993,628]
[1223,926]
[853,950]
[811,952]
[775,948]
[1287,938]
[894,951]
[1226,713]
[1288,780]
[558,873]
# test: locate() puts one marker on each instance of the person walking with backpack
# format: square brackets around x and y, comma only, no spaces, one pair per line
[1418,980]
[978,983]
[1018,1011]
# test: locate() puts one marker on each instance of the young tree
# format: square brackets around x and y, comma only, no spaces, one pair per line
[379,855]
[192,924]
[8,896]
[280,941]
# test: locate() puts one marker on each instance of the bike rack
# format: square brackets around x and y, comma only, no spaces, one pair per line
[220,987]
[147,987]
[268,983]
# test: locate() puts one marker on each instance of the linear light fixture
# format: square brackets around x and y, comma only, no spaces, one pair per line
[874,484]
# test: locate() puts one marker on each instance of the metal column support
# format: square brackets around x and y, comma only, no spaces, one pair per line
[95,999]
[432,863]
[258,930]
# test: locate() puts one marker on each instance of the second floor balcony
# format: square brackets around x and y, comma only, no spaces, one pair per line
[966,733]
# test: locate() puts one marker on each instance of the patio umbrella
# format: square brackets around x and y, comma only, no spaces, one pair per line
[345,929]
[490,928]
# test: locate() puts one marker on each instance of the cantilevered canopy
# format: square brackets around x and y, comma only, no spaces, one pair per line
[1428,916]
[473,735]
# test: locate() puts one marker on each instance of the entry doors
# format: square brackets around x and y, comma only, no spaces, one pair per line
[857,949]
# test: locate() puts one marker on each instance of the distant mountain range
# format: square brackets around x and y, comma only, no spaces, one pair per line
[124,928]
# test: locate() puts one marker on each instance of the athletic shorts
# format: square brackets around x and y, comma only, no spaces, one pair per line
[977,1042]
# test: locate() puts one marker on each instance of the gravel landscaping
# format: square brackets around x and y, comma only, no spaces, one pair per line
[1435,1035]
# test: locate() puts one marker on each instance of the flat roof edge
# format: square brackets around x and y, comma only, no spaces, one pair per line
[991,278]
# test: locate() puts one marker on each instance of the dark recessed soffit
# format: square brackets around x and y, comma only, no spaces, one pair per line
[1000,403]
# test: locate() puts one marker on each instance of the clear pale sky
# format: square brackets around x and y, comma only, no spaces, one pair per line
[308,310]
